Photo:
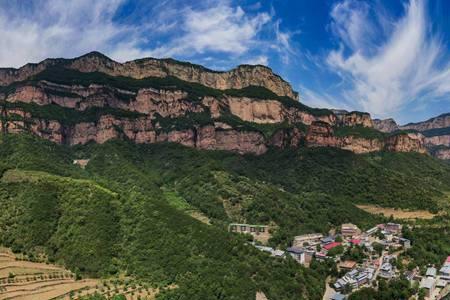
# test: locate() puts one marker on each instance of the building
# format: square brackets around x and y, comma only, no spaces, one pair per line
[431,272]
[393,228]
[307,239]
[327,240]
[429,284]
[259,232]
[350,230]
[330,246]
[278,253]
[347,265]
[445,270]
[386,271]
[355,242]
[341,283]
[372,231]
[338,296]
[297,254]
[355,278]
[411,275]
[441,283]
[405,243]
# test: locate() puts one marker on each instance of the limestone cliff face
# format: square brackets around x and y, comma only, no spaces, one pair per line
[406,143]
[430,128]
[438,140]
[147,100]
[240,77]
[139,130]
[441,121]
[321,134]
[272,111]
[387,125]
[442,154]
[354,118]
[81,112]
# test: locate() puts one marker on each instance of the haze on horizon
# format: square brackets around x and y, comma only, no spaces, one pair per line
[390,58]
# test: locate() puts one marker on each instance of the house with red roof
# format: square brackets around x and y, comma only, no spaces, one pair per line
[331,246]
[355,241]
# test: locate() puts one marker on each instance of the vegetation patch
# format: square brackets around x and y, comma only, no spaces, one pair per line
[69,116]
[359,132]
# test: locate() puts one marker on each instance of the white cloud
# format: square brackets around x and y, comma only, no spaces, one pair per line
[60,28]
[406,66]
[259,60]
[321,100]
[351,23]
[221,28]
[56,28]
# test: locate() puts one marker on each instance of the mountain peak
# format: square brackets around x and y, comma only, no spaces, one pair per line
[237,78]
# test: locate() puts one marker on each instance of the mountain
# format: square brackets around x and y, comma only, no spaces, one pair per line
[436,131]
[247,110]
[134,171]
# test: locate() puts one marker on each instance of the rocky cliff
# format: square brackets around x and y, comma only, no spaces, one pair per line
[436,132]
[238,78]
[387,125]
[93,98]
[442,153]
[441,121]
[321,134]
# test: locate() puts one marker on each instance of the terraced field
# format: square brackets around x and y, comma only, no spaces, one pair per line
[25,280]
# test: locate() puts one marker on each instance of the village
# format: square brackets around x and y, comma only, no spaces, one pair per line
[362,258]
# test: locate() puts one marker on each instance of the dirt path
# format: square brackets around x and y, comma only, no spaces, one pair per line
[329,292]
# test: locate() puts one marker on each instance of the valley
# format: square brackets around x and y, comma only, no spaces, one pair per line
[135,180]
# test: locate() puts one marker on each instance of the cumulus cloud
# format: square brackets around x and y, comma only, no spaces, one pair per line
[56,28]
[59,28]
[220,28]
[407,65]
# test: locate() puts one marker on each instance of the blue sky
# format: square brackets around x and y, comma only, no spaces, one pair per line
[390,58]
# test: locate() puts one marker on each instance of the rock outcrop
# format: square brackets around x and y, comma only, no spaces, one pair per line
[387,125]
[441,121]
[140,130]
[438,140]
[406,142]
[272,111]
[443,153]
[321,134]
[354,118]
[436,131]
[240,77]
[77,111]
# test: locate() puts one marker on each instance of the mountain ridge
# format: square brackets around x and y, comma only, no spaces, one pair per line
[249,110]
[152,67]
[436,133]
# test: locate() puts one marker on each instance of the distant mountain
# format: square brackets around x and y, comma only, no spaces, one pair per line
[436,131]
[134,172]
[248,109]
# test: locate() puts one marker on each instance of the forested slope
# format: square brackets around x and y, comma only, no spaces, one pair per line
[114,217]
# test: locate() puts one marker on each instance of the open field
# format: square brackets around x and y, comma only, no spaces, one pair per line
[397,213]
[25,280]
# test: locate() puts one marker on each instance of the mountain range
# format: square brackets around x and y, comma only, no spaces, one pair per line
[247,110]
[134,172]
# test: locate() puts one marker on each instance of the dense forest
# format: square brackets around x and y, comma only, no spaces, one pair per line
[130,211]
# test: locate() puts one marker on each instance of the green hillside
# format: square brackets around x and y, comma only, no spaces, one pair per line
[129,212]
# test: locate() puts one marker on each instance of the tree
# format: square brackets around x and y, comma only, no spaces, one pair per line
[378,248]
